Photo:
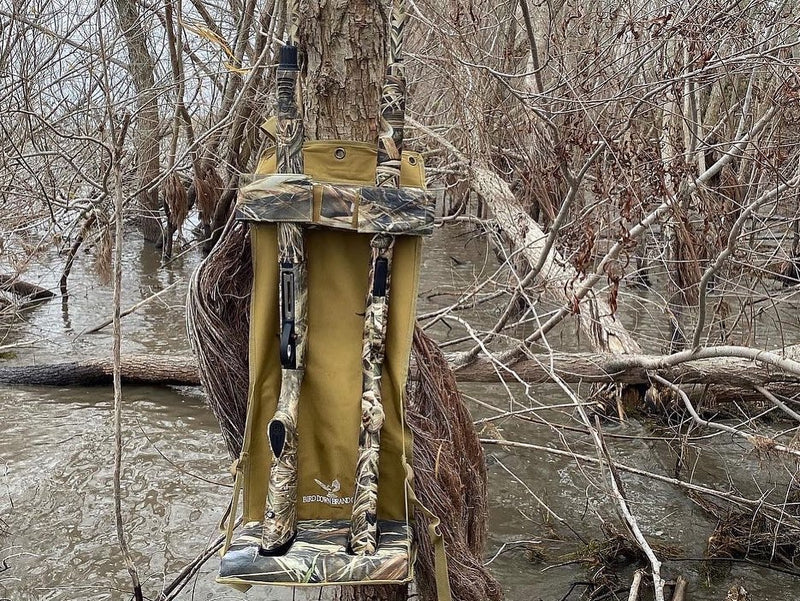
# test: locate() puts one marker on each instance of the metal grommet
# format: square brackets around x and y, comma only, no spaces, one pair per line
[412,160]
[339,153]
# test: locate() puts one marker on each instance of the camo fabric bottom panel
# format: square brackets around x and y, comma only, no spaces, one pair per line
[318,556]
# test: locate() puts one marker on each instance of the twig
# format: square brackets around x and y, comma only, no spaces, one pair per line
[778,403]
[627,515]
[117,344]
[172,590]
[633,595]
[13,345]
[128,311]
[762,443]
[182,470]
[116,165]
[604,457]
[74,250]
[508,547]
[19,16]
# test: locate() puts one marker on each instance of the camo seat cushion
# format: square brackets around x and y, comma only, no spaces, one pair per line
[318,556]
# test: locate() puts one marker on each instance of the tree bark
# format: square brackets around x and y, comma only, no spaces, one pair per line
[147,136]
[344,64]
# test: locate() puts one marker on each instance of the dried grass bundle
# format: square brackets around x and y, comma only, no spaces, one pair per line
[450,473]
[104,250]
[450,477]
[218,321]
[208,188]
[767,532]
[176,201]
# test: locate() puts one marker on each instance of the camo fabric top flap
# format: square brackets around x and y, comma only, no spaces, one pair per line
[286,197]
[395,211]
[331,195]
[338,205]
[366,209]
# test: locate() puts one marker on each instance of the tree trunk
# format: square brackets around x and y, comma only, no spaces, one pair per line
[343,45]
[342,75]
[147,137]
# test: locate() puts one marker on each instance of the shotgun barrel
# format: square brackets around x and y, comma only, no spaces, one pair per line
[280,516]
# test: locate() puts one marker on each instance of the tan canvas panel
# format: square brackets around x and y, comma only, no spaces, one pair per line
[330,409]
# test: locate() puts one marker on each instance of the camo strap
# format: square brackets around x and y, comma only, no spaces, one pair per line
[440,566]
[228,520]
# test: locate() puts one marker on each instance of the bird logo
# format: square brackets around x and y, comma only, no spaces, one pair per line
[332,489]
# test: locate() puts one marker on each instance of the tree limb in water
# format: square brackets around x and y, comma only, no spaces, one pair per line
[31,292]
[715,366]
[129,310]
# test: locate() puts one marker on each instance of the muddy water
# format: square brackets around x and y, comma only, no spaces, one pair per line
[57,538]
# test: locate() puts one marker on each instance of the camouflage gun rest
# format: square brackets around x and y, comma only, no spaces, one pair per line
[329,404]
[346,220]
[364,529]
[280,513]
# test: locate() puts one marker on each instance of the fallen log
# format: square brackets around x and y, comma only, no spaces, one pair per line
[138,370]
[631,369]
[26,290]
[729,373]
[557,277]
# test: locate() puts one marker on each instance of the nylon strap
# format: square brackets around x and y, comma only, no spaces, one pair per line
[437,540]
[228,519]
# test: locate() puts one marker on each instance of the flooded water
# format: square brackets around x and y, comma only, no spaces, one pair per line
[57,537]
